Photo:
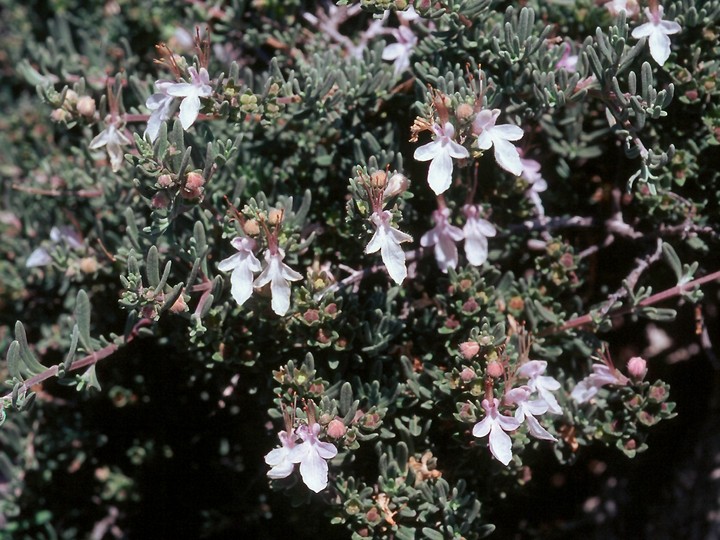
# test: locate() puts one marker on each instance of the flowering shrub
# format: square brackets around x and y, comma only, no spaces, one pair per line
[359,263]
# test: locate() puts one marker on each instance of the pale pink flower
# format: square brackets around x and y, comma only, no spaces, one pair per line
[496,425]
[387,240]
[279,458]
[401,51]
[602,375]
[528,409]
[440,152]
[191,93]
[498,136]
[243,265]
[657,31]
[568,61]
[161,105]
[637,368]
[630,7]
[531,173]
[542,384]
[312,454]
[476,232]
[278,275]
[113,139]
[444,237]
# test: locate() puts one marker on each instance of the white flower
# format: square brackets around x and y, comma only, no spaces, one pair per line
[528,409]
[630,7]
[38,257]
[387,240]
[112,139]
[602,374]
[440,153]
[191,94]
[278,274]
[443,236]
[542,384]
[312,454]
[161,104]
[476,232]
[401,51]
[489,134]
[242,265]
[279,459]
[657,32]
[496,425]
[63,234]
[531,173]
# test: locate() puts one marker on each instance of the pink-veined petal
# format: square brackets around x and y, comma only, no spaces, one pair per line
[537,431]
[507,156]
[440,173]
[241,284]
[643,30]
[500,445]
[508,132]
[314,471]
[394,260]
[189,110]
[280,290]
[482,428]
[484,141]
[659,46]
[428,151]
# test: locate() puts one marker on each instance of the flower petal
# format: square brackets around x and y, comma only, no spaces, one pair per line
[189,110]
[659,46]
[440,173]
[314,471]
[507,156]
[241,281]
[500,445]
[508,132]
[428,151]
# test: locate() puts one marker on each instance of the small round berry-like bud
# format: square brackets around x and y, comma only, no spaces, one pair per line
[251,227]
[88,265]
[86,106]
[469,349]
[59,115]
[311,315]
[71,99]
[193,187]
[467,374]
[637,368]
[165,181]
[464,111]
[275,216]
[495,370]
[336,428]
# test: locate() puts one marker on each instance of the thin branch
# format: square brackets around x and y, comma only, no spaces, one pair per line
[672,292]
[88,360]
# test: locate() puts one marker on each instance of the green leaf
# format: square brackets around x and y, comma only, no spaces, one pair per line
[82,318]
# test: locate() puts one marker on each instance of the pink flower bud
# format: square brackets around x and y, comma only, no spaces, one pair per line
[336,428]
[469,349]
[193,187]
[637,368]
[86,106]
[467,374]
[495,369]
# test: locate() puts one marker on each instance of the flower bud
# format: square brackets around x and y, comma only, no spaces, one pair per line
[275,216]
[495,370]
[86,106]
[467,374]
[637,368]
[193,187]
[469,349]
[59,115]
[88,265]
[160,200]
[165,181]
[71,99]
[397,184]
[251,227]
[464,111]
[336,428]
[378,179]
[179,305]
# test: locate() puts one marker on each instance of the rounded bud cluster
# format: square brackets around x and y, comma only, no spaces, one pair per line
[193,187]
[251,227]
[495,369]
[637,368]
[469,349]
[464,111]
[275,216]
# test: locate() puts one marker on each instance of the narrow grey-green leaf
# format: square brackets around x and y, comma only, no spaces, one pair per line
[82,318]
[152,268]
